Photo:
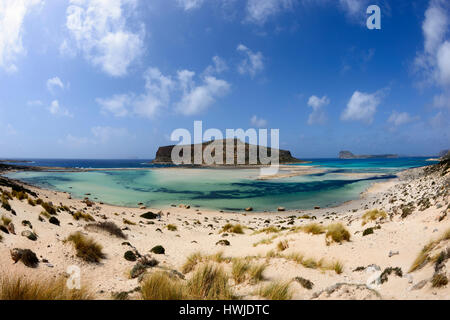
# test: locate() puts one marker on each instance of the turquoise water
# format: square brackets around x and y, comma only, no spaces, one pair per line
[224,189]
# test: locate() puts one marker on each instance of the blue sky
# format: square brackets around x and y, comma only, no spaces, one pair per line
[114,78]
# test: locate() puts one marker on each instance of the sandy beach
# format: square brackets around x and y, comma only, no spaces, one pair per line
[416,208]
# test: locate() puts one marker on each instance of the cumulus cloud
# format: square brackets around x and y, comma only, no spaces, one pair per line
[100,32]
[400,118]
[252,64]
[258,122]
[54,83]
[159,94]
[433,63]
[354,7]
[259,11]
[219,65]
[362,107]
[196,99]
[190,4]
[12,15]
[57,110]
[158,88]
[117,104]
[318,115]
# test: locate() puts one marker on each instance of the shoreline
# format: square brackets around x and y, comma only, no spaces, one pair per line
[396,241]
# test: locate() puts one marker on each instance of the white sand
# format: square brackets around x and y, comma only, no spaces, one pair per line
[407,236]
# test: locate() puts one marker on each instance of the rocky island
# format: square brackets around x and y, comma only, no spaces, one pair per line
[349,155]
[164,154]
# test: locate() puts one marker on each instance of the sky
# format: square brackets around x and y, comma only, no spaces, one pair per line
[114,78]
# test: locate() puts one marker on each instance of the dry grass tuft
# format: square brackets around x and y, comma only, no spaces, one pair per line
[313,228]
[282,245]
[109,227]
[85,216]
[237,228]
[172,227]
[337,233]
[424,256]
[373,215]
[19,287]
[162,286]
[87,249]
[276,291]
[268,230]
[211,283]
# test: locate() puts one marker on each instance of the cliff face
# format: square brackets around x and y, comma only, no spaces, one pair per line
[164,154]
[349,155]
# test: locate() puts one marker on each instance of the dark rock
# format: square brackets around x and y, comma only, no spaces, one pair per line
[27,257]
[30,235]
[223,242]
[367,231]
[307,284]
[130,256]
[54,221]
[4,229]
[150,215]
[27,223]
[11,228]
[386,273]
[281,209]
[158,250]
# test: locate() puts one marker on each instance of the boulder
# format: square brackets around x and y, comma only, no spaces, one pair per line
[30,235]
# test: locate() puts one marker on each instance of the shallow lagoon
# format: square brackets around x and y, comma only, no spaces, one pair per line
[223,189]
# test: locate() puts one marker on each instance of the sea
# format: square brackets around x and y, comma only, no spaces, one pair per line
[139,181]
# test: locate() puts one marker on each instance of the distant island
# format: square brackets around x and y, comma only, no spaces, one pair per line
[164,154]
[349,155]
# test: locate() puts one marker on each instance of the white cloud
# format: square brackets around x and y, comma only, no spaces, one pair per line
[362,107]
[57,110]
[317,116]
[258,122]
[157,95]
[434,26]
[317,103]
[219,65]
[159,92]
[434,62]
[196,99]
[354,7]
[258,11]
[252,63]
[99,30]
[190,4]
[12,15]
[54,83]
[400,118]
[117,105]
